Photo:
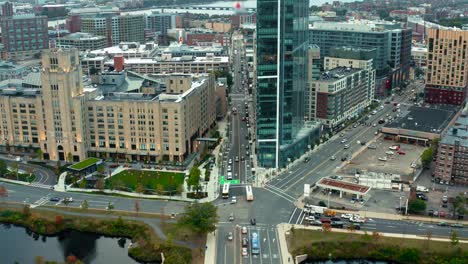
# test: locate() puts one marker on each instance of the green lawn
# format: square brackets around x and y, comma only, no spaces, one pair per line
[84,163]
[319,245]
[152,180]
[21,177]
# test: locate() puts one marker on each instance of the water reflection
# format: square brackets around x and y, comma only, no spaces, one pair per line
[22,245]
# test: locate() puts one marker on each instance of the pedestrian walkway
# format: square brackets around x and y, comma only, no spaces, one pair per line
[210,249]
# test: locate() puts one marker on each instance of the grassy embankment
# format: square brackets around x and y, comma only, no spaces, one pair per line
[324,245]
[147,246]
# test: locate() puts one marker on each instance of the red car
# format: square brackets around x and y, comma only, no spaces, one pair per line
[401,153]
[325,220]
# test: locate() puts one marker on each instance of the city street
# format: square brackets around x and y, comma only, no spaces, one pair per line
[291,181]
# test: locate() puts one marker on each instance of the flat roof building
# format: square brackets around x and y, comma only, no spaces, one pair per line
[420,125]
[81,41]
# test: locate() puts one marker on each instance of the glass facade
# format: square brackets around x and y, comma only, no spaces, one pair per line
[282,52]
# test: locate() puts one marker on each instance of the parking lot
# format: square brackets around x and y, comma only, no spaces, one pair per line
[383,159]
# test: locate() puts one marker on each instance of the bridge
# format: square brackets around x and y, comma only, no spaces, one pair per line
[250,9]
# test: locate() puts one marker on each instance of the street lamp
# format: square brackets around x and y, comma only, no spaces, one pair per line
[329,199]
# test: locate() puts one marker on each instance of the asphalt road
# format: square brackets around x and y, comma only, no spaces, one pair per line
[39,196]
[394,226]
[237,151]
[292,180]
[45,178]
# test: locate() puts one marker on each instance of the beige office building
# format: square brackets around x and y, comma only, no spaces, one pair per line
[69,120]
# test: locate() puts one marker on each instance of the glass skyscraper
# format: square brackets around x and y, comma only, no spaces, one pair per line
[282,50]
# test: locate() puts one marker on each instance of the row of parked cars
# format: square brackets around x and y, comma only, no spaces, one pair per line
[349,221]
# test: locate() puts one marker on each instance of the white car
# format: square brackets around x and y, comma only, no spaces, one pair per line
[230,161]
[244,230]
[347,216]
[309,218]
[245,252]
[389,152]
[343,141]
[356,220]
[234,200]
[346,146]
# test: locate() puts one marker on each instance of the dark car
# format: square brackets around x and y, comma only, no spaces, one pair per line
[335,218]
[253,221]
[306,159]
[421,197]
[337,224]
[54,199]
[354,226]
[344,158]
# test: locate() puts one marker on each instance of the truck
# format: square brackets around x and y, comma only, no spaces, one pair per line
[420,188]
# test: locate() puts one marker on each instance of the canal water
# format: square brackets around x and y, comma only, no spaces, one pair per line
[18,245]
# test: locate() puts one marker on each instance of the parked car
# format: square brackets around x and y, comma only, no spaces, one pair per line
[457,225]
[346,216]
[354,226]
[68,199]
[245,252]
[337,224]
[442,224]
[316,223]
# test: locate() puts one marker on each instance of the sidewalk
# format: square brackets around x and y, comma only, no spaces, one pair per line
[210,250]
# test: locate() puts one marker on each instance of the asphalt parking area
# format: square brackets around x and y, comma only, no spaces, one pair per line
[368,159]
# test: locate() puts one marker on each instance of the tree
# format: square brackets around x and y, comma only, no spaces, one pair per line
[26,211]
[69,157]
[83,183]
[137,206]
[139,188]
[58,220]
[84,205]
[40,154]
[15,169]
[3,191]
[100,184]
[326,227]
[3,168]
[416,206]
[194,178]
[160,189]
[100,168]
[110,206]
[199,217]
[454,238]
[459,204]
[39,260]
[426,157]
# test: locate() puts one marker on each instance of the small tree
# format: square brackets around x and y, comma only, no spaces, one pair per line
[110,206]
[3,168]
[326,227]
[15,170]
[84,205]
[417,206]
[459,204]
[137,206]
[40,154]
[100,184]
[139,188]
[3,192]
[100,168]
[58,220]
[454,238]
[69,157]
[200,218]
[26,211]
[83,183]
[194,178]
[426,157]
[160,189]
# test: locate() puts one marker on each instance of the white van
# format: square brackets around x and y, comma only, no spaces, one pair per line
[422,189]
[229,175]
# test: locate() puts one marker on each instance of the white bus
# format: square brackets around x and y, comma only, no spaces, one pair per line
[226,191]
[249,193]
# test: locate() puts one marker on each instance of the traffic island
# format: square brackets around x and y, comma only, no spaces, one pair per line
[325,243]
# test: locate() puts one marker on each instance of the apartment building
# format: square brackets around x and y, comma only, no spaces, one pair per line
[391,40]
[341,93]
[122,116]
[164,64]
[81,41]
[452,154]
[312,76]
[447,72]
[23,36]
[161,22]
[115,28]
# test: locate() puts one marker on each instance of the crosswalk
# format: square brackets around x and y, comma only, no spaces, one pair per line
[279,192]
[43,200]
[40,185]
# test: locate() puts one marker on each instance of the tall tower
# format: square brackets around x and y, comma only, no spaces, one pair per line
[282,46]
[7,9]
[446,74]
[64,102]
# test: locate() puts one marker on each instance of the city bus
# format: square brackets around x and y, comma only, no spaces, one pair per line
[225,191]
[255,245]
[249,193]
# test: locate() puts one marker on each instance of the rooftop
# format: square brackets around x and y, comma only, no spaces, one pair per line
[343,186]
[458,133]
[337,74]
[82,36]
[432,119]
[215,59]
[85,164]
[356,26]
